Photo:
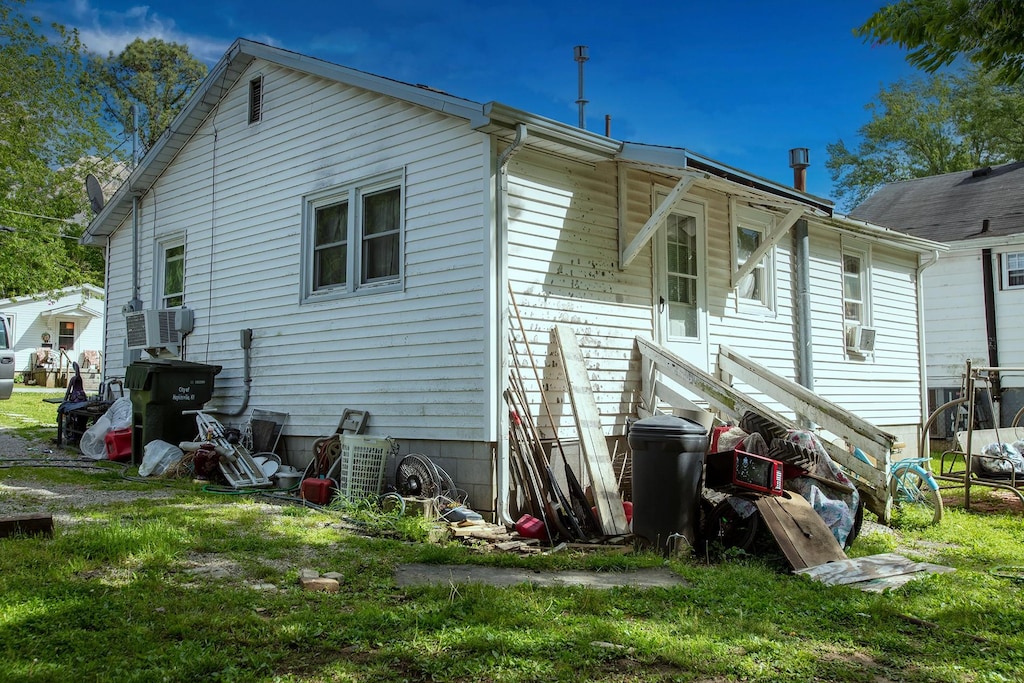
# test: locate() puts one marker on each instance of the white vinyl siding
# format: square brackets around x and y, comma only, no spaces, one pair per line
[414,357]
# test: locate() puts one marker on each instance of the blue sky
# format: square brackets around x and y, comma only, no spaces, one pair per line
[740,81]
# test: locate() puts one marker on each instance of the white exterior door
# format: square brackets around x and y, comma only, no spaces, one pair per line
[680,295]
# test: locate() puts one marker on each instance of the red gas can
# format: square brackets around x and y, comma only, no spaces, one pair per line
[318,491]
[119,444]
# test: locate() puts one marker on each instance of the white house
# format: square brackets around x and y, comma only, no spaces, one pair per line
[974,296]
[68,320]
[368,233]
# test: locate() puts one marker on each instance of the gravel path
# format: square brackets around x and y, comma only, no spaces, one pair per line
[22,495]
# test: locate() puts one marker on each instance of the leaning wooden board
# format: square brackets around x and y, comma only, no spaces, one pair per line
[592,441]
[802,535]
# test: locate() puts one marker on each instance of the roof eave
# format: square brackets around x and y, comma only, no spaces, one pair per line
[868,230]
[548,134]
[220,78]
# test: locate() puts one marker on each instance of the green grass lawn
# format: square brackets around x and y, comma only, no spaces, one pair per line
[129,592]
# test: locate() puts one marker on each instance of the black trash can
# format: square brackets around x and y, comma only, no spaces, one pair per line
[668,461]
[160,390]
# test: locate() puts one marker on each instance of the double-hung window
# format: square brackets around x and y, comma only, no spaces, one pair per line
[854,287]
[1013,273]
[352,238]
[752,228]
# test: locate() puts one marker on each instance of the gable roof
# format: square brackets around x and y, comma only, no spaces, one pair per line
[953,206]
[491,118]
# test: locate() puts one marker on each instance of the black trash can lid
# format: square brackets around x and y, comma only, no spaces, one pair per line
[667,426]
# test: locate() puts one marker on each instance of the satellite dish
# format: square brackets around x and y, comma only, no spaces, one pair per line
[95,192]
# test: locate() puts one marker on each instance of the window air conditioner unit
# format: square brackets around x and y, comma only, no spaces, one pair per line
[860,339]
[158,328]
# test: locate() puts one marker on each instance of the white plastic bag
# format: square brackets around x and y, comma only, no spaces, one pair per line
[120,413]
[157,457]
[93,443]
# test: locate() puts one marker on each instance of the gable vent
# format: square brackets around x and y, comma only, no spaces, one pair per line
[256,99]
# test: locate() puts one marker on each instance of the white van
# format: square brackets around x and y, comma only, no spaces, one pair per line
[6,359]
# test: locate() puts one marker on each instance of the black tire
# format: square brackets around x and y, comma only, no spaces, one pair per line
[753,423]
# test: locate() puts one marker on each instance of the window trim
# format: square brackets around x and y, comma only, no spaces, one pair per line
[11,319]
[763,222]
[163,246]
[353,193]
[1005,270]
[863,252]
[74,334]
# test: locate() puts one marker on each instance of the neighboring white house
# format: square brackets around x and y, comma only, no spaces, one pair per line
[68,319]
[368,231]
[974,296]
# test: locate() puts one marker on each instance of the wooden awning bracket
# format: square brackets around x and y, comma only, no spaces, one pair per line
[773,238]
[658,216]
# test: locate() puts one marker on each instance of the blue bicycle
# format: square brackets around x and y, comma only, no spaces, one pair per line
[913,489]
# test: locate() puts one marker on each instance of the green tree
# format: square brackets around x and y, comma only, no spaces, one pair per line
[928,126]
[988,32]
[155,75]
[49,124]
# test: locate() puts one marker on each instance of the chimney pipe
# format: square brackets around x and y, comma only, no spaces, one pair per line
[607,125]
[799,160]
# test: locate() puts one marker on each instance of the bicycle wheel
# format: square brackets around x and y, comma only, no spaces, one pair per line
[915,491]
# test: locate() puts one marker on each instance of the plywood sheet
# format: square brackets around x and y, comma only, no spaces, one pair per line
[802,535]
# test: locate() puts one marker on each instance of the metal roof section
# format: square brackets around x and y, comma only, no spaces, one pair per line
[953,206]
[654,157]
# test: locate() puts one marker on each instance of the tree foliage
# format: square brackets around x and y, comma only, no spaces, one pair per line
[48,126]
[988,32]
[928,126]
[154,74]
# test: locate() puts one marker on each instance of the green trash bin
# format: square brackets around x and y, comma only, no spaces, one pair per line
[161,389]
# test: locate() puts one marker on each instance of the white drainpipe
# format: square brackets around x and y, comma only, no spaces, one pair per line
[501,338]
[920,345]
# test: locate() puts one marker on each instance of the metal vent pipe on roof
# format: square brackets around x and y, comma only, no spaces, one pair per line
[581,53]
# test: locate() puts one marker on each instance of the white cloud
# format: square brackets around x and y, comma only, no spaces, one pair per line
[104,31]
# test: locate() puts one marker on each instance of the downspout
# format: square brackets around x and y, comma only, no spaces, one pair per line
[501,338]
[804,336]
[921,353]
[799,160]
[991,332]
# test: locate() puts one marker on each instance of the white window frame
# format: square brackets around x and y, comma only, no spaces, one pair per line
[748,218]
[862,252]
[1013,262]
[356,280]
[165,245]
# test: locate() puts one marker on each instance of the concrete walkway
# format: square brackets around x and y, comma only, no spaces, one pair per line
[446,574]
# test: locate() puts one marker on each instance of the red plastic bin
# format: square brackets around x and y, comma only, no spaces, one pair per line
[119,444]
[318,491]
